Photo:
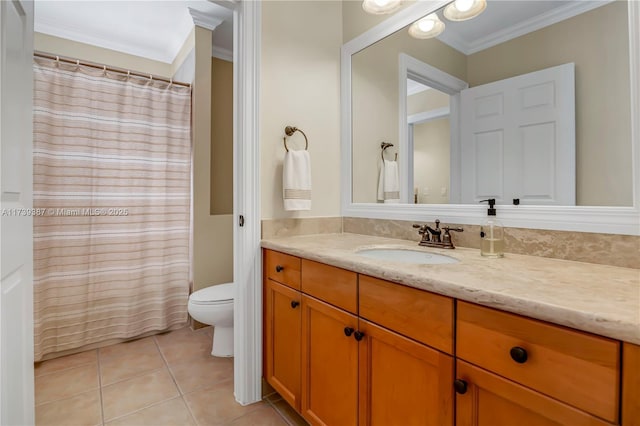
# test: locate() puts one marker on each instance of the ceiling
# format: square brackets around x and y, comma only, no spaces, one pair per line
[504,20]
[150,29]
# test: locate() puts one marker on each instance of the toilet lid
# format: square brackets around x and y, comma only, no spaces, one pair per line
[214,294]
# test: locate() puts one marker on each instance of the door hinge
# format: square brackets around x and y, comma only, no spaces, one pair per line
[241,220]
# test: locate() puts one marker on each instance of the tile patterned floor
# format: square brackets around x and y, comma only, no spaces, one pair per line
[169,379]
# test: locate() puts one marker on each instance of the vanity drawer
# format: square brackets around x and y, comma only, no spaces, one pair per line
[333,285]
[282,268]
[418,314]
[578,368]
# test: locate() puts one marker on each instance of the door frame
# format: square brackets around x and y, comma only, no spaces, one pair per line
[410,67]
[247,260]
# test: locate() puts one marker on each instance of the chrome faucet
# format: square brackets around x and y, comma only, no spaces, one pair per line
[434,237]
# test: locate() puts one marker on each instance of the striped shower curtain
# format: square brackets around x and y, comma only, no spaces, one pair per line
[112,164]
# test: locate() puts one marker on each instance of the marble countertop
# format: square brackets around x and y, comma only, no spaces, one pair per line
[600,299]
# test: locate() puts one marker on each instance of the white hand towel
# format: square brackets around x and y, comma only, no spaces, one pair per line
[296,180]
[391,182]
[381,181]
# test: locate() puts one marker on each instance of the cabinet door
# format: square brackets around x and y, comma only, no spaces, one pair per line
[282,345]
[403,382]
[485,399]
[329,364]
[631,385]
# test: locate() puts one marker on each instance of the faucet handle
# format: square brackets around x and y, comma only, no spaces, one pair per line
[446,238]
[447,229]
[422,230]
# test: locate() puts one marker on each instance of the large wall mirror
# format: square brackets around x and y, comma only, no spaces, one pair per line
[532,103]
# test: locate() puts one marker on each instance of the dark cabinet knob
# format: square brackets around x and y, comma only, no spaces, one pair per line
[279,268]
[294,304]
[358,335]
[348,331]
[518,354]
[460,386]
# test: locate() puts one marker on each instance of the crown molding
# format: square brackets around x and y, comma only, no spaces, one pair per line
[533,24]
[222,53]
[204,20]
[80,36]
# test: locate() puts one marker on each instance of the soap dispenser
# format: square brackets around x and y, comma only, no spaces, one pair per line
[491,233]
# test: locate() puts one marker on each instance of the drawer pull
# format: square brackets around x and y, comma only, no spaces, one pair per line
[348,331]
[518,354]
[460,386]
[279,268]
[294,304]
[358,335]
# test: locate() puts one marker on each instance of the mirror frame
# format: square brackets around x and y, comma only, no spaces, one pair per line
[596,219]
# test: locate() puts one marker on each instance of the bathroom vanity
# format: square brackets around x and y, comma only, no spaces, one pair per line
[521,340]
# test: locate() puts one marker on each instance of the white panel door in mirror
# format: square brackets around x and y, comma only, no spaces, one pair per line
[533,159]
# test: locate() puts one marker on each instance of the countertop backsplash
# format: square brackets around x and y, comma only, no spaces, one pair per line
[605,249]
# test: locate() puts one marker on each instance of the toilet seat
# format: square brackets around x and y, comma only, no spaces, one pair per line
[215,295]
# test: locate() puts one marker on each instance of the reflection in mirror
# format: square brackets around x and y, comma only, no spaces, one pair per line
[573,147]
[428,135]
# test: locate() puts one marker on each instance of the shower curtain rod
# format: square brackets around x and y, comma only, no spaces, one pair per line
[106,68]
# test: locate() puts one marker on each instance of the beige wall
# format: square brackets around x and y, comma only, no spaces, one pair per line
[426,101]
[221,136]
[603,134]
[375,100]
[431,161]
[212,234]
[300,86]
[73,49]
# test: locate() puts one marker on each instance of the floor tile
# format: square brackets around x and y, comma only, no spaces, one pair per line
[265,416]
[130,395]
[171,413]
[217,406]
[139,346]
[202,373]
[66,383]
[129,364]
[80,410]
[184,344]
[65,362]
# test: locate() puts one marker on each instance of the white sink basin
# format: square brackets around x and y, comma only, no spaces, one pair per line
[406,256]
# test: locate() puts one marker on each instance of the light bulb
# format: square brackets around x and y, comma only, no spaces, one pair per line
[463,5]
[426,25]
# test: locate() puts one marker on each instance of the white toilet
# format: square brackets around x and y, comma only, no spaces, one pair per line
[214,306]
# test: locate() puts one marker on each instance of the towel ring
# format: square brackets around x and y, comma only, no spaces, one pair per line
[289,131]
[384,146]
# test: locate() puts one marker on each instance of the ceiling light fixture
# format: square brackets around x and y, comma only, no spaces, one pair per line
[461,10]
[380,7]
[427,27]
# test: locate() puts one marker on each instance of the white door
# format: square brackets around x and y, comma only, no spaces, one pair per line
[16,223]
[518,139]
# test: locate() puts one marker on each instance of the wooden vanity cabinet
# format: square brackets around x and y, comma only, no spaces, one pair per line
[562,369]
[630,385]
[330,364]
[347,349]
[401,381]
[282,340]
[486,399]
